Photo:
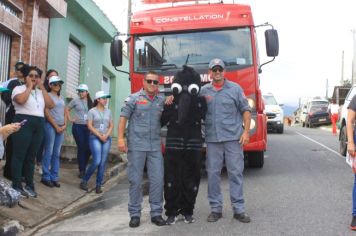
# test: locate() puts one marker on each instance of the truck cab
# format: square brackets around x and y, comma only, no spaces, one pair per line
[165,39]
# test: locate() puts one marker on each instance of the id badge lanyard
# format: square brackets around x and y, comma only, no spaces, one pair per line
[101,126]
[34,95]
[85,108]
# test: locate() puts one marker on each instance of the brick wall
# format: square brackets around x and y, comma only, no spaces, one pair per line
[30,39]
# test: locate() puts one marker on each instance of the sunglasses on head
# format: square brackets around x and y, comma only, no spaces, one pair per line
[149,81]
[34,76]
[217,69]
[56,84]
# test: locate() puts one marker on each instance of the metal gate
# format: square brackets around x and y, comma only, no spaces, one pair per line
[5,45]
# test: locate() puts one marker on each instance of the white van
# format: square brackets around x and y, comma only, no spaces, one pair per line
[342,121]
[274,113]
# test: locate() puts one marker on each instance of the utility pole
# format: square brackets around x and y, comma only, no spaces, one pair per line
[342,69]
[354,58]
[128,15]
[129,12]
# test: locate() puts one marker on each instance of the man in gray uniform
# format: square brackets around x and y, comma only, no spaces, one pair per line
[228,111]
[143,110]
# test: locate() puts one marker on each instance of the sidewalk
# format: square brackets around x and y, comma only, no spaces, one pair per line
[33,211]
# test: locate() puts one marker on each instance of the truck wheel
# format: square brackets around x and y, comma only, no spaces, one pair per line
[256,159]
[343,141]
[280,129]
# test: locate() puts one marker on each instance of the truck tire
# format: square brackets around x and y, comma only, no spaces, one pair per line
[256,159]
[343,141]
[280,129]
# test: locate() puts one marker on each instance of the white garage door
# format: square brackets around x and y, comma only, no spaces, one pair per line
[73,69]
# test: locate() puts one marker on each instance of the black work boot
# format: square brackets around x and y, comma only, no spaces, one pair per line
[158,220]
[214,216]
[134,222]
[242,217]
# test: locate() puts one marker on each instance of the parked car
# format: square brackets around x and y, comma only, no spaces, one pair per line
[306,108]
[342,121]
[274,113]
[317,114]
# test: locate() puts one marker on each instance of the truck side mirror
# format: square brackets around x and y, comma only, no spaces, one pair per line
[116,52]
[272,43]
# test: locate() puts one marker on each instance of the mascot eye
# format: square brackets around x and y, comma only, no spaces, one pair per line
[193,89]
[176,88]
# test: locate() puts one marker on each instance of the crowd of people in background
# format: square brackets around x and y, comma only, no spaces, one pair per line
[37,117]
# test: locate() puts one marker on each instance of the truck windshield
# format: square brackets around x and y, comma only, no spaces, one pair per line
[196,49]
[269,100]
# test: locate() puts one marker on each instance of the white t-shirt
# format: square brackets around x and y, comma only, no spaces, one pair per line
[334,108]
[34,106]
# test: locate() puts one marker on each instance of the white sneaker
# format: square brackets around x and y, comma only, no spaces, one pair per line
[171,220]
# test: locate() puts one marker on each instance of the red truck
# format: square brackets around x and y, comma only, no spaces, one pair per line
[167,38]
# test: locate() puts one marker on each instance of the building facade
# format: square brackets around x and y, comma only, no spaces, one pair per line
[24,32]
[79,49]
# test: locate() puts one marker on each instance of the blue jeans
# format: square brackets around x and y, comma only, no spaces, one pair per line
[354,199]
[81,137]
[100,153]
[52,150]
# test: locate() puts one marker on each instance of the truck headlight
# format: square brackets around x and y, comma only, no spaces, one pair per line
[251,103]
[252,124]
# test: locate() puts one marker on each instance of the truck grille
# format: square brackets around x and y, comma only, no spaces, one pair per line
[271,115]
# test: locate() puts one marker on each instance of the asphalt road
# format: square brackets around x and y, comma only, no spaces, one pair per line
[304,188]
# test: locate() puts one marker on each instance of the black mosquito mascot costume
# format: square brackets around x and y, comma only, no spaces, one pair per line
[182,160]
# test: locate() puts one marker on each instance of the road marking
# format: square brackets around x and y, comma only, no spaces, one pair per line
[338,154]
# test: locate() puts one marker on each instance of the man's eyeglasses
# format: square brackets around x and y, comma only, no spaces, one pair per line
[36,76]
[56,84]
[149,81]
[217,69]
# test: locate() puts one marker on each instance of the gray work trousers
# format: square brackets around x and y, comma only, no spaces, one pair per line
[234,160]
[155,171]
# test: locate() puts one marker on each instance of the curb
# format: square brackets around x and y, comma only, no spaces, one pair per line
[14,227]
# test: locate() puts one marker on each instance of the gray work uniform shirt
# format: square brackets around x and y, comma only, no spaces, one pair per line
[57,112]
[223,121]
[80,108]
[144,117]
[100,119]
